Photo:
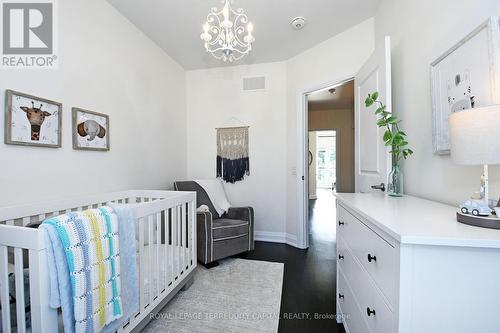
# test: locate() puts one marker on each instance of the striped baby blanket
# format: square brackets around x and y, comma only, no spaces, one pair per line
[91,244]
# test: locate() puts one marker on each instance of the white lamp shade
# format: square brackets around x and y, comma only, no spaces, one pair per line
[475,136]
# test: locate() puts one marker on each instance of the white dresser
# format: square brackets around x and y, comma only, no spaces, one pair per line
[406,266]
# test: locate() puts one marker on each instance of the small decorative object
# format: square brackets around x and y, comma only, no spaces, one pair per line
[227,33]
[32,121]
[475,207]
[90,130]
[465,77]
[394,138]
[475,140]
[233,162]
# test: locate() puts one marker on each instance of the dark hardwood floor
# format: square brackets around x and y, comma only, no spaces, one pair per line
[308,297]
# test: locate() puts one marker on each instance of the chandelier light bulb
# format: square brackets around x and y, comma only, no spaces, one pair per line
[227,33]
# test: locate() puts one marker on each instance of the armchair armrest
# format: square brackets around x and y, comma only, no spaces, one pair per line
[244,214]
[240,213]
[204,236]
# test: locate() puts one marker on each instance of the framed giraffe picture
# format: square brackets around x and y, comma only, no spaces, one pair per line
[90,130]
[32,121]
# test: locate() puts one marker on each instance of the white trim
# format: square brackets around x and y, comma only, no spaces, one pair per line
[231,237]
[230,226]
[277,237]
[302,156]
[313,197]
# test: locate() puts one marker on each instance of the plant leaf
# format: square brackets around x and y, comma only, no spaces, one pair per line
[392,120]
[368,102]
[374,96]
[387,136]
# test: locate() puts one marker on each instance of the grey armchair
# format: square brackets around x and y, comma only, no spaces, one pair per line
[219,237]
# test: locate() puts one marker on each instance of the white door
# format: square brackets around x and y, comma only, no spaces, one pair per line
[372,158]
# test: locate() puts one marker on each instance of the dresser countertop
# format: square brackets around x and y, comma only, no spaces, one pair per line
[412,220]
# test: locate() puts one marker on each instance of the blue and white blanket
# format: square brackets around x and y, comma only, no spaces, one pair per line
[83,250]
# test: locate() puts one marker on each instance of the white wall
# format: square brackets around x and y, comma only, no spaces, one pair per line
[421,31]
[335,59]
[106,65]
[214,97]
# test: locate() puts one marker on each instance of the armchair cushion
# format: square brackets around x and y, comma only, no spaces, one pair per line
[226,228]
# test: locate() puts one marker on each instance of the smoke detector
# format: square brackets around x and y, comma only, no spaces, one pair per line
[298,23]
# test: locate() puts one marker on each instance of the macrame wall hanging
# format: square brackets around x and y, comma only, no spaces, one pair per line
[232,153]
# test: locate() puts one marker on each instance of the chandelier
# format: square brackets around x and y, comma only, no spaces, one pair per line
[227,33]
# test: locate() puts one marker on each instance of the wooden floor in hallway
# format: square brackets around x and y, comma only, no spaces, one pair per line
[309,286]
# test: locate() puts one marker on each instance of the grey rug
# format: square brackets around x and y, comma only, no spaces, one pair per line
[236,296]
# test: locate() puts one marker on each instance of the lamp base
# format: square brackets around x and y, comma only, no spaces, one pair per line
[479,221]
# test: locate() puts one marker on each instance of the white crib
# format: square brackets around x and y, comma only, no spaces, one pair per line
[166,243]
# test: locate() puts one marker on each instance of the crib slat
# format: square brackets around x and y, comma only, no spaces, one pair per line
[191,233]
[175,257]
[184,235]
[159,264]
[179,241]
[151,266]
[19,279]
[169,241]
[164,213]
[141,265]
[4,289]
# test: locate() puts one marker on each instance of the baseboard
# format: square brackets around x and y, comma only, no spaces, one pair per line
[276,237]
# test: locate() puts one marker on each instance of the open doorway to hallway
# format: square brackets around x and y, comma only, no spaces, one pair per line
[331,155]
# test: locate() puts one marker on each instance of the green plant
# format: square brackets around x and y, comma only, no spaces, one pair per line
[393,136]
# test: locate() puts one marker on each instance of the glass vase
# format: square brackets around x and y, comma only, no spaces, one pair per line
[395,182]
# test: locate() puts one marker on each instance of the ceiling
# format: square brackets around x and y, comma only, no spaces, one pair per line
[176,25]
[343,99]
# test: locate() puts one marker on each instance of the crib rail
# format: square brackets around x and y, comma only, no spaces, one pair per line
[166,243]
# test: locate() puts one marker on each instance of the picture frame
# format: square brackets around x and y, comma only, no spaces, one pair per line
[32,121]
[90,130]
[464,77]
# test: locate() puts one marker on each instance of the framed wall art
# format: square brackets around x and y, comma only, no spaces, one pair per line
[90,130]
[32,121]
[466,76]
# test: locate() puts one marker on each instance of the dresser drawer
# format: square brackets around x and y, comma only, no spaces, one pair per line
[351,314]
[376,255]
[373,308]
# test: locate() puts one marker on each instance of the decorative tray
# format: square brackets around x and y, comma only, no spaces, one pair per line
[479,221]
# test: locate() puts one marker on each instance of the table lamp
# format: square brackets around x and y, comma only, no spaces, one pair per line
[475,140]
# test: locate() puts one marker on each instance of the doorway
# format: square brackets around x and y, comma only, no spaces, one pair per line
[331,155]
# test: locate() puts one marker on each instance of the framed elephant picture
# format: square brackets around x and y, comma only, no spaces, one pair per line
[32,121]
[90,130]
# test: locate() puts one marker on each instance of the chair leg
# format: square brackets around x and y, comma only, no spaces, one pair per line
[211,264]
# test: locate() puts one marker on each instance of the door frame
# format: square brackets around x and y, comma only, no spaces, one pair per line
[303,154]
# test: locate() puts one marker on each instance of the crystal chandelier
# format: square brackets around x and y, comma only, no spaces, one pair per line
[227,33]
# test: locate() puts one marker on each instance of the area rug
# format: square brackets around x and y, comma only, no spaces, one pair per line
[237,296]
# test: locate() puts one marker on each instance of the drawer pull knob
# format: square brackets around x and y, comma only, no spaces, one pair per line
[341,257]
[341,223]
[371,258]
[341,296]
[370,312]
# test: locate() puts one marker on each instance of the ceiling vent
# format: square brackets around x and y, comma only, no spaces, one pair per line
[254,83]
